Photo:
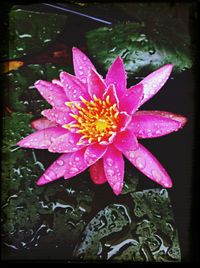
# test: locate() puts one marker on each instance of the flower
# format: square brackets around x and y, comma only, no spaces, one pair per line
[94,122]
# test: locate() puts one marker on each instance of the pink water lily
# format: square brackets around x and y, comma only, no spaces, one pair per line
[93,122]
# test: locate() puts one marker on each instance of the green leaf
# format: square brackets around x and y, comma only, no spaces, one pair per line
[20,93]
[141,47]
[30,32]
[147,234]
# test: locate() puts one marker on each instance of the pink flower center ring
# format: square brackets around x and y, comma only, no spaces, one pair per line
[94,123]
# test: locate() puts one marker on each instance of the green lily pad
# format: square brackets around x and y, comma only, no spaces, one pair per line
[147,235]
[140,46]
[20,93]
[29,32]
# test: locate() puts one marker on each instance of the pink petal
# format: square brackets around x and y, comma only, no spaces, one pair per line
[151,124]
[124,120]
[131,101]
[126,140]
[42,123]
[97,173]
[55,115]
[53,93]
[73,87]
[76,164]
[116,75]
[82,65]
[66,143]
[111,92]
[55,171]
[154,81]
[177,117]
[94,152]
[96,85]
[143,160]
[114,168]
[42,139]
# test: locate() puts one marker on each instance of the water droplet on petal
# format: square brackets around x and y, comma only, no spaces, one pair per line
[77,159]
[71,141]
[73,170]
[60,162]
[156,175]
[46,177]
[110,172]
[158,132]
[140,162]
[109,162]
[27,144]
[131,155]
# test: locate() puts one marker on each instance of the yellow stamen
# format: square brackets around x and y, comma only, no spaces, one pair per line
[96,120]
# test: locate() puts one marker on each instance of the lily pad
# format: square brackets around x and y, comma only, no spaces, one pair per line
[147,235]
[142,47]
[20,93]
[29,32]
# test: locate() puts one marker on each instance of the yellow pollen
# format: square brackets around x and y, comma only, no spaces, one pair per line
[96,120]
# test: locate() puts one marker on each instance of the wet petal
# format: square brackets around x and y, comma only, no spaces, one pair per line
[126,140]
[76,164]
[111,92]
[55,171]
[42,123]
[124,120]
[66,143]
[55,115]
[52,93]
[93,152]
[177,117]
[154,81]
[131,101]
[73,87]
[151,124]
[42,139]
[116,75]
[97,173]
[143,160]
[96,85]
[114,168]
[82,65]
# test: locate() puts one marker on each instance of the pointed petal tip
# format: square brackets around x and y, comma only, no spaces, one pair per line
[38,82]
[168,184]
[41,181]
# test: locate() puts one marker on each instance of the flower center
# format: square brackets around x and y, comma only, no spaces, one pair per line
[96,119]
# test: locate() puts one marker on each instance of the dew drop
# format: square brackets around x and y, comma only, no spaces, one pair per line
[46,177]
[73,170]
[131,155]
[71,141]
[156,175]
[158,132]
[140,162]
[77,159]
[80,73]
[110,172]
[60,162]
[109,162]
[27,144]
